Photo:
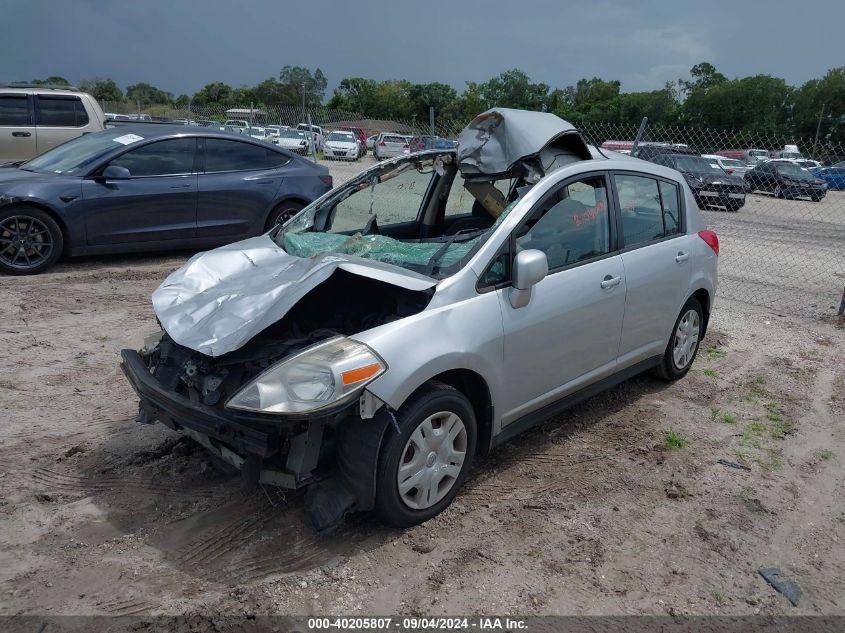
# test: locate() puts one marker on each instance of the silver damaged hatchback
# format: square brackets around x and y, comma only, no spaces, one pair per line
[427,311]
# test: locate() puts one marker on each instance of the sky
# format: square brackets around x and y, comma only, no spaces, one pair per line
[181,45]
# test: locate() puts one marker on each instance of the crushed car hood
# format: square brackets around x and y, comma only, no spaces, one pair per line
[496,140]
[219,300]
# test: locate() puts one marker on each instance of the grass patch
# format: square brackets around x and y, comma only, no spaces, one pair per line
[808,354]
[714,413]
[102,339]
[714,353]
[756,389]
[712,373]
[720,598]
[772,459]
[779,429]
[826,455]
[672,440]
[729,418]
[81,359]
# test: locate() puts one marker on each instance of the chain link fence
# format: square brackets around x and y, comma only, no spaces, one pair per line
[783,249]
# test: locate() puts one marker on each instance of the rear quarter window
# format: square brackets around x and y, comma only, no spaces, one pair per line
[61,112]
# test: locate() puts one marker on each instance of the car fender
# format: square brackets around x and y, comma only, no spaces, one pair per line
[463,335]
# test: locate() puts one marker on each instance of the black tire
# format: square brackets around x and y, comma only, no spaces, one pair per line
[430,399]
[282,213]
[778,192]
[735,206]
[816,198]
[668,368]
[17,261]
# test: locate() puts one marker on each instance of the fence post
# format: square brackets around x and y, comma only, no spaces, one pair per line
[431,119]
[251,112]
[640,133]
[842,304]
[313,141]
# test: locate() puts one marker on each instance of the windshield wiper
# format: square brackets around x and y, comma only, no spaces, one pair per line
[432,262]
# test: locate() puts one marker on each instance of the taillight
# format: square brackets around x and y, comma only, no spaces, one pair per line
[382,144]
[406,146]
[729,171]
[327,179]
[711,239]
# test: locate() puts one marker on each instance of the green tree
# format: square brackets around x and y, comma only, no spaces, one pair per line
[660,106]
[820,104]
[102,89]
[393,100]
[355,94]
[182,101]
[270,92]
[216,93]
[514,89]
[434,95]
[145,94]
[467,106]
[295,79]
[54,80]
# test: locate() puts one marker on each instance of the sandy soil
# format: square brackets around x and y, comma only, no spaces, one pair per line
[592,513]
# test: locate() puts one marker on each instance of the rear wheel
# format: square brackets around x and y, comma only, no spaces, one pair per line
[30,241]
[422,467]
[282,213]
[683,344]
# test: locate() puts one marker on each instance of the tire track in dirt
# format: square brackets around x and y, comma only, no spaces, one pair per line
[45,480]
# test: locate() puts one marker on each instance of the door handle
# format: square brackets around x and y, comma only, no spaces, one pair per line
[180,186]
[681,257]
[22,134]
[610,281]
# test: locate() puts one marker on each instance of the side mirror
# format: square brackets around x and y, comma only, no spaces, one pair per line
[530,267]
[113,172]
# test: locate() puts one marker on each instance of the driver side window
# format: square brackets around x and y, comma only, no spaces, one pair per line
[572,225]
[394,200]
[164,158]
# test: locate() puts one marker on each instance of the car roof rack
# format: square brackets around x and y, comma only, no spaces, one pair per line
[39,86]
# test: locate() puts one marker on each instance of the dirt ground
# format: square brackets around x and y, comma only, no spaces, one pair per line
[618,507]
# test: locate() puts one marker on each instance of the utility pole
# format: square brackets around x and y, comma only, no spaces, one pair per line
[818,129]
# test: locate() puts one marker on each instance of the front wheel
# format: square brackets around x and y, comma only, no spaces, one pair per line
[683,344]
[421,468]
[30,241]
[282,213]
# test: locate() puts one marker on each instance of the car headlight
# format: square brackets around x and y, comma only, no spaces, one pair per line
[692,181]
[321,376]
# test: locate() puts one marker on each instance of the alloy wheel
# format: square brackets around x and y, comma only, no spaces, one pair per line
[686,339]
[432,460]
[25,242]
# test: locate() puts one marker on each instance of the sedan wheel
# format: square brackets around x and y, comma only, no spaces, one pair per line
[425,455]
[282,214]
[432,460]
[683,344]
[778,191]
[686,339]
[30,241]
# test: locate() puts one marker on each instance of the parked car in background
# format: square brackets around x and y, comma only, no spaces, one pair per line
[34,119]
[731,166]
[275,130]
[359,133]
[316,134]
[807,163]
[789,152]
[388,145]
[343,145]
[424,142]
[257,133]
[111,116]
[147,187]
[709,183]
[834,177]
[295,141]
[371,142]
[785,179]
[390,342]
[647,151]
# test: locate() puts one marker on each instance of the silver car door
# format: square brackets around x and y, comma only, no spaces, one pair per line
[657,258]
[568,334]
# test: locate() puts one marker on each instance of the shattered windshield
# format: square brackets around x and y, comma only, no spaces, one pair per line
[418,213]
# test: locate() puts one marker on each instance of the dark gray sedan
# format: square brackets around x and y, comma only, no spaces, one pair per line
[147,188]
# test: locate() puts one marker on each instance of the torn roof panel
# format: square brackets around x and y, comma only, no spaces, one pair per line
[496,140]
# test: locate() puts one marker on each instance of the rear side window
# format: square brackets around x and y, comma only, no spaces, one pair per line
[164,158]
[649,209]
[224,155]
[14,110]
[61,112]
